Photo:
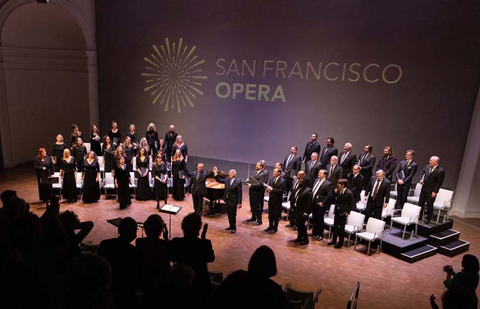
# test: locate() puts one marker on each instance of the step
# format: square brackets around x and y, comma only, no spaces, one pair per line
[419,253]
[443,238]
[453,248]
[433,227]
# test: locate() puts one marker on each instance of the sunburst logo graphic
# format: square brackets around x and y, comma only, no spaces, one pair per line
[174,75]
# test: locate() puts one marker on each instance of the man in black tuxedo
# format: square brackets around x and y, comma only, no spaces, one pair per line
[334,171]
[291,165]
[322,195]
[276,187]
[344,203]
[311,169]
[170,138]
[197,188]
[377,195]
[257,192]
[303,201]
[404,176]
[366,161]
[311,147]
[232,197]
[355,182]
[328,152]
[347,159]
[388,163]
[432,179]
[279,165]
[293,190]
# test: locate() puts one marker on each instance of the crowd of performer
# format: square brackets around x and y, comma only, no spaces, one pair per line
[311,182]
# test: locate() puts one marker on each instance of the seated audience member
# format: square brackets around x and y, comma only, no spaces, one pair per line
[70,223]
[124,259]
[467,278]
[195,253]
[87,283]
[253,288]
[456,297]
[7,195]
[154,257]
[176,290]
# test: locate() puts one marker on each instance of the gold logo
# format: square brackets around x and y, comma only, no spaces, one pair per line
[174,75]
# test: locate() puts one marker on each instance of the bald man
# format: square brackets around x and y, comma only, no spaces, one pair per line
[432,179]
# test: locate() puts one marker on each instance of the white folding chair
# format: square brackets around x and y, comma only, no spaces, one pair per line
[101,165]
[362,204]
[109,183]
[416,195]
[58,186]
[79,183]
[88,147]
[354,224]
[443,202]
[328,221]
[134,164]
[373,232]
[286,205]
[409,215]
[389,210]
[393,193]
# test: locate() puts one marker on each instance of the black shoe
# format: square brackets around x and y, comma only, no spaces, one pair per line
[272,231]
[233,231]
[332,243]
[320,238]
[257,223]
[229,228]
[337,246]
[289,225]
[251,219]
[304,242]
[295,240]
[267,229]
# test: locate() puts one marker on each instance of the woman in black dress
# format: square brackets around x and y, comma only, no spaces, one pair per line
[162,148]
[44,167]
[179,144]
[159,173]
[170,138]
[68,174]
[74,135]
[129,153]
[178,173]
[79,152]
[58,149]
[152,139]
[91,178]
[95,141]
[122,181]
[115,134]
[108,154]
[143,186]
[133,138]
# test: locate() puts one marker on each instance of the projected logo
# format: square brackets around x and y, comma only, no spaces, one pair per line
[174,75]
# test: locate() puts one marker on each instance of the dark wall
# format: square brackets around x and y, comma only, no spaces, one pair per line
[385,72]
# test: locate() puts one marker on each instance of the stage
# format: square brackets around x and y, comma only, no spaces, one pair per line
[386,281]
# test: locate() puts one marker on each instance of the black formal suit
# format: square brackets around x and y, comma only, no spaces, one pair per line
[366,162]
[327,154]
[375,203]
[294,165]
[198,189]
[344,203]
[293,190]
[322,199]
[347,163]
[310,148]
[432,182]
[388,165]
[355,184]
[303,202]
[232,197]
[404,172]
[311,171]
[256,193]
[275,201]
[333,175]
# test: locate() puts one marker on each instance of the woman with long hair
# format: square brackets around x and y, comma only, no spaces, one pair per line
[179,172]
[108,153]
[129,153]
[115,134]
[58,149]
[152,139]
[143,186]
[44,167]
[95,139]
[74,135]
[144,144]
[160,174]
[68,174]
[133,138]
[180,145]
[91,178]
[79,152]
[162,148]
[122,181]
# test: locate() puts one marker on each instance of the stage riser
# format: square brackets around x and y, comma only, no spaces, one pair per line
[443,238]
[419,254]
[433,228]
[455,248]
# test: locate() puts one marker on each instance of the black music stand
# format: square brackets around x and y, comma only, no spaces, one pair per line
[170,210]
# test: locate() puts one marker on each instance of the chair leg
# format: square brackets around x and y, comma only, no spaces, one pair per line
[368,250]
[438,215]
[355,243]
[404,230]
[391,223]
[348,242]
[380,247]
[416,226]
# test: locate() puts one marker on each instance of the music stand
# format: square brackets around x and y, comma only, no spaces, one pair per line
[116,222]
[170,210]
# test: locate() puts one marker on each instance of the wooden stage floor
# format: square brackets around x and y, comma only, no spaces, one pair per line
[386,282]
